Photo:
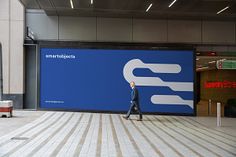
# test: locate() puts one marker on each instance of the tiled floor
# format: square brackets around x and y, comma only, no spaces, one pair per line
[20,118]
[68,134]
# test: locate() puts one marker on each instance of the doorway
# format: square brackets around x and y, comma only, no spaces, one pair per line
[31,88]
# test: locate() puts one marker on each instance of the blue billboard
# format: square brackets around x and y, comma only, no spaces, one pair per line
[98,79]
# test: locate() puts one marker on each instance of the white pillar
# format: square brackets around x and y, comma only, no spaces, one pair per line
[12,39]
[218,114]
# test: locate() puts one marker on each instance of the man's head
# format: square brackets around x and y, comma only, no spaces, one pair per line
[132,84]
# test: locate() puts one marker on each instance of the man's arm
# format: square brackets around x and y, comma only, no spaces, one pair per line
[134,95]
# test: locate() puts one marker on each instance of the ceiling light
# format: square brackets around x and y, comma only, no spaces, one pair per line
[173,2]
[91,1]
[71,4]
[197,59]
[149,7]
[212,62]
[222,10]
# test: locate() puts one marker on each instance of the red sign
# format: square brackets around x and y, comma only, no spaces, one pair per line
[220,84]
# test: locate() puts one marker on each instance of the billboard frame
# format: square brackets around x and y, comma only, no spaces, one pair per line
[114,46]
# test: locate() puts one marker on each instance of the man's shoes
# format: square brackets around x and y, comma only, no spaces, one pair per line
[139,119]
[125,117]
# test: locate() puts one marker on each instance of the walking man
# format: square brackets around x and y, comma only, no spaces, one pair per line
[134,106]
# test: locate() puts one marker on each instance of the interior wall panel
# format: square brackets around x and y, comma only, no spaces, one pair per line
[44,27]
[114,29]
[149,30]
[218,32]
[77,28]
[184,31]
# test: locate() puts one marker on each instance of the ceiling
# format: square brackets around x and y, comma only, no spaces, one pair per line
[182,9]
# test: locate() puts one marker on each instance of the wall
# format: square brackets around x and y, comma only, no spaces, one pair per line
[12,40]
[130,30]
[217,94]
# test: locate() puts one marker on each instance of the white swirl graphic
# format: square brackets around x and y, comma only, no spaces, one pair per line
[156,81]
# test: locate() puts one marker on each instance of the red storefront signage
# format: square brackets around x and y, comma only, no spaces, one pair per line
[220,84]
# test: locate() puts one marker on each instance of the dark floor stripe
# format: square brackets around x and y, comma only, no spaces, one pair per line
[59,147]
[115,138]
[181,133]
[204,133]
[146,138]
[163,140]
[99,142]
[33,137]
[29,129]
[131,138]
[82,140]
[200,137]
[193,122]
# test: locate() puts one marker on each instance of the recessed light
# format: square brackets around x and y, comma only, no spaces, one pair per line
[149,7]
[71,4]
[173,2]
[197,59]
[222,10]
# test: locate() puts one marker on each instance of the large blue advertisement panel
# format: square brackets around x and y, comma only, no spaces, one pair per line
[98,79]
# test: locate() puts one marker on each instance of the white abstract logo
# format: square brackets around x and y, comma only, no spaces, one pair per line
[156,81]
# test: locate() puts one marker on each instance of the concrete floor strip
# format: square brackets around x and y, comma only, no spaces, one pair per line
[221,133]
[108,148]
[82,138]
[223,149]
[99,141]
[90,145]
[14,145]
[115,138]
[71,144]
[73,134]
[17,133]
[191,145]
[135,124]
[39,141]
[207,133]
[169,143]
[202,148]
[62,143]
[140,154]
[126,146]
[49,146]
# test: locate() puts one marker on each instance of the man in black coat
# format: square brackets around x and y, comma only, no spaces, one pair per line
[134,106]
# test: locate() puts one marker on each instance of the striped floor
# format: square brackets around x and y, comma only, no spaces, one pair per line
[68,134]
